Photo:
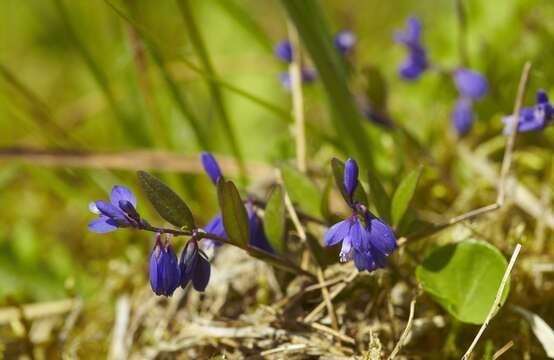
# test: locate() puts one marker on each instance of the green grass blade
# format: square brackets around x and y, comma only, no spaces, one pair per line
[202,51]
[130,126]
[308,18]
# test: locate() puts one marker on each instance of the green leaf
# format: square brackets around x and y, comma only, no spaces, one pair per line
[376,89]
[464,278]
[309,20]
[338,173]
[379,197]
[235,218]
[403,195]
[324,207]
[302,191]
[168,204]
[274,220]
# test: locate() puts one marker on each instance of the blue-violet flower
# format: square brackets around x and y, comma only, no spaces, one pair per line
[365,238]
[416,62]
[345,41]
[165,275]
[194,266]
[470,84]
[119,212]
[534,118]
[462,116]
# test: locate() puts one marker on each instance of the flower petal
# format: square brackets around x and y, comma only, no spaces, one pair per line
[170,273]
[211,166]
[350,177]
[92,207]
[470,83]
[462,116]
[111,211]
[102,225]
[337,232]
[283,50]
[381,236]
[215,226]
[346,250]
[542,97]
[121,193]
[201,275]
[345,41]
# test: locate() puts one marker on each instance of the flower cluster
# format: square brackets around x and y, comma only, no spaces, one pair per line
[344,42]
[470,84]
[365,238]
[534,118]
[215,226]
[166,273]
[416,62]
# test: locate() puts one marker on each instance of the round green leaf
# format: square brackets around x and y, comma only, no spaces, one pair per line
[464,278]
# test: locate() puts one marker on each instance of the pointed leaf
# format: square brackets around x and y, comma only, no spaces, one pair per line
[274,220]
[379,197]
[376,89]
[302,191]
[464,278]
[166,202]
[338,173]
[235,218]
[403,195]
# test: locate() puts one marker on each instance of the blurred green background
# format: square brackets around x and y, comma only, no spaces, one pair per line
[74,75]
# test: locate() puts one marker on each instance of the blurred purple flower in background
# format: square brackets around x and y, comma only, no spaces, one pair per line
[283,51]
[165,275]
[345,41]
[194,267]
[470,84]
[365,238]
[308,77]
[416,62]
[462,116]
[534,118]
[119,212]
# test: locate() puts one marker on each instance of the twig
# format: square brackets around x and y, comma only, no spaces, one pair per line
[496,304]
[129,160]
[284,348]
[297,98]
[327,299]
[70,322]
[337,290]
[507,160]
[35,311]
[406,331]
[118,349]
[502,350]
[333,332]
[506,164]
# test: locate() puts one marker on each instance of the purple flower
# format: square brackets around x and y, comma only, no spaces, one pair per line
[119,212]
[367,244]
[470,84]
[215,226]
[350,178]
[256,228]
[211,167]
[416,62]
[345,41]
[194,266]
[534,118]
[283,50]
[308,77]
[365,238]
[462,116]
[165,275]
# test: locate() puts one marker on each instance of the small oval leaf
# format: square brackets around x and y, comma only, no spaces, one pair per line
[464,278]
[403,195]
[302,191]
[235,218]
[274,220]
[166,202]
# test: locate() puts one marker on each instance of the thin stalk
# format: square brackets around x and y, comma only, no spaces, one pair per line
[462,33]
[201,50]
